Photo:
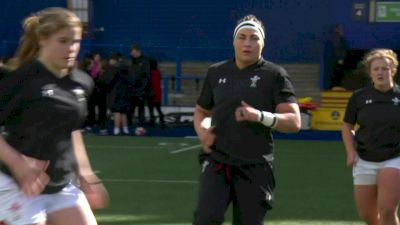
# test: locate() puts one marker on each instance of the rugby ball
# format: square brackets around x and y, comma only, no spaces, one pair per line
[140,131]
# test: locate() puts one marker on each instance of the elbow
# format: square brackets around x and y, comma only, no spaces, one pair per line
[292,128]
[296,128]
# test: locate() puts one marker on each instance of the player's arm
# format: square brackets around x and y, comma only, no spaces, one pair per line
[348,141]
[84,167]
[90,184]
[204,131]
[30,173]
[286,119]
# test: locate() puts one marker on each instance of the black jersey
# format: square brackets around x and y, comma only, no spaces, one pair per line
[263,85]
[3,72]
[378,114]
[40,112]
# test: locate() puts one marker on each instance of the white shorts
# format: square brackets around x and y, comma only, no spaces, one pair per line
[18,209]
[366,172]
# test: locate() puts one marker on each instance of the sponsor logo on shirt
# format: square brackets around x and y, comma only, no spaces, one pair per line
[80,94]
[47,92]
[368,101]
[222,80]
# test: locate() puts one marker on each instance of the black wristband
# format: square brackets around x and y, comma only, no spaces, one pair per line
[273,125]
[262,116]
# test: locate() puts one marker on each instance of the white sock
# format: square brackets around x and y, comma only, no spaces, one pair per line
[116,130]
[126,130]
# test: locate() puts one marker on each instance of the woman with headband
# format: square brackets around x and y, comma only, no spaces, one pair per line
[246,97]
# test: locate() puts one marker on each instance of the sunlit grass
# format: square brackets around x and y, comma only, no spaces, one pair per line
[314,187]
[151,220]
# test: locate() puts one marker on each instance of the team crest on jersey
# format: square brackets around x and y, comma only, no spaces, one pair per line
[48,90]
[254,80]
[396,101]
[80,94]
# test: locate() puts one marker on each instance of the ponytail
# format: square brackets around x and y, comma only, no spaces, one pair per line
[29,42]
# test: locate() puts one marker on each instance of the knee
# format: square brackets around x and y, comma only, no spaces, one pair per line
[370,217]
[387,213]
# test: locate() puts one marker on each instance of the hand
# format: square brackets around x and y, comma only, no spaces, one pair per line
[94,190]
[352,158]
[208,139]
[30,174]
[246,112]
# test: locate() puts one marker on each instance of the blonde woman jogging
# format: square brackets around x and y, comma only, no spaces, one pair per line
[43,103]
[373,150]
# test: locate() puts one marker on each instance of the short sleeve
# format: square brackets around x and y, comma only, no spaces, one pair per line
[350,115]
[11,87]
[206,99]
[284,90]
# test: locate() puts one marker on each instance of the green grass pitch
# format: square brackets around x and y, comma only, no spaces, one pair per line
[153,181]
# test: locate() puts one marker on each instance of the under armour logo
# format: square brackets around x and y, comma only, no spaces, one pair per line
[254,80]
[368,101]
[396,101]
[47,92]
[222,80]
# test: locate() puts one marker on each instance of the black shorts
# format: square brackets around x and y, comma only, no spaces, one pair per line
[248,187]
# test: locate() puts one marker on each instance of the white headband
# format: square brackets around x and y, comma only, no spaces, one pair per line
[249,24]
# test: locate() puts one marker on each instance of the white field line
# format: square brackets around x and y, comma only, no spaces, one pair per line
[126,147]
[185,149]
[116,180]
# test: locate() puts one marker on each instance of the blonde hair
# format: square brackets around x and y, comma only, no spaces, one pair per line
[42,24]
[381,53]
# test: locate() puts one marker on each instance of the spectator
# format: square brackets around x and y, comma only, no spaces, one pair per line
[142,81]
[98,98]
[155,100]
[119,86]
[335,50]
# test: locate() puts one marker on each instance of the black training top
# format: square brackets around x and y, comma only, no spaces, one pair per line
[40,112]
[263,85]
[378,114]
[3,72]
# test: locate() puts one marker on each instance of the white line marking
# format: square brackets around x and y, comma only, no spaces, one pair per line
[149,181]
[192,137]
[125,147]
[185,149]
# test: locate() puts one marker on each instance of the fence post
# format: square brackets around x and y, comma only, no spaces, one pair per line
[165,89]
[178,74]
